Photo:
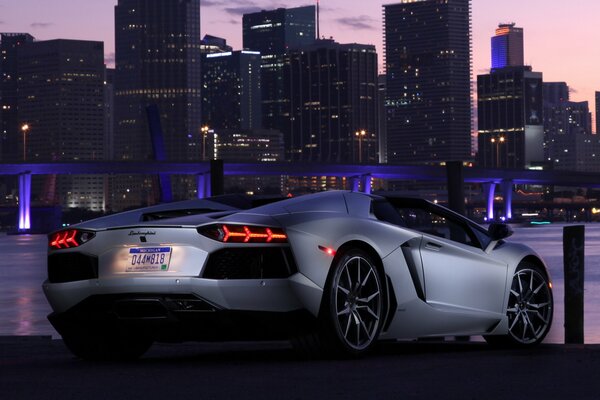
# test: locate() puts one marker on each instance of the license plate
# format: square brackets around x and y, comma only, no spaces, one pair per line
[144,259]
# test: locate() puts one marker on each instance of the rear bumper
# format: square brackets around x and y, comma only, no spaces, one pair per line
[269,295]
[176,317]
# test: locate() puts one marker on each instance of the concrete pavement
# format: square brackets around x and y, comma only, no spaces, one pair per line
[41,368]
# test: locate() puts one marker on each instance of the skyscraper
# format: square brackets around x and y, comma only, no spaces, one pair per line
[428,67]
[333,92]
[231,90]
[157,46]
[10,131]
[562,116]
[61,99]
[597,112]
[569,144]
[507,46]
[510,106]
[273,33]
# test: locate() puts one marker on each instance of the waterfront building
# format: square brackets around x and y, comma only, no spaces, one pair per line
[333,91]
[214,44]
[428,68]
[10,131]
[273,33]
[569,143]
[562,116]
[597,115]
[507,47]
[231,97]
[251,146]
[157,61]
[510,106]
[382,118]
[61,102]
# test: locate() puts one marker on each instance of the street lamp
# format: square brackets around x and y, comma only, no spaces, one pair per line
[498,142]
[25,129]
[204,130]
[360,134]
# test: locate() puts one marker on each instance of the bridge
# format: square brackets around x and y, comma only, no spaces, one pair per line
[210,173]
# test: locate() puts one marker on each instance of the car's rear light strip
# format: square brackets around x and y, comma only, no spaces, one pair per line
[69,238]
[244,234]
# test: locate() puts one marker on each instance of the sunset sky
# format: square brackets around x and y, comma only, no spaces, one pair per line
[561,37]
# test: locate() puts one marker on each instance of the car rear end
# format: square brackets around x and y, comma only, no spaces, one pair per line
[174,281]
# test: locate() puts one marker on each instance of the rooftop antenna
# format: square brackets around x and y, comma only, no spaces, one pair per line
[318,21]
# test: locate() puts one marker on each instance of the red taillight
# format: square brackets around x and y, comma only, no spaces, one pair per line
[69,238]
[244,234]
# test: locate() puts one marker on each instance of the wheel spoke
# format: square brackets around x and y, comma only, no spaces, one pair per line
[368,299]
[524,327]
[348,275]
[530,324]
[514,323]
[343,289]
[365,328]
[369,311]
[512,310]
[357,333]
[539,287]
[348,326]
[537,313]
[358,268]
[520,284]
[531,281]
[364,282]
[538,306]
[344,311]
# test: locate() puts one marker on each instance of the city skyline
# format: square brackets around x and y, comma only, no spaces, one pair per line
[561,54]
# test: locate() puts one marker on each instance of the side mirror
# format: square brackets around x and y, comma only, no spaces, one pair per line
[499,231]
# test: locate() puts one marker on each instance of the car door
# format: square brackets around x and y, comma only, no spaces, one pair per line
[459,276]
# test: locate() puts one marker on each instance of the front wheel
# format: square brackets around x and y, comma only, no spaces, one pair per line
[352,312]
[530,307]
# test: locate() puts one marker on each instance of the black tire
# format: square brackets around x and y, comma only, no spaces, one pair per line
[529,309]
[107,347]
[352,311]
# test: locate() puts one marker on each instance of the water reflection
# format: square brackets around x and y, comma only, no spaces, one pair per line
[23,307]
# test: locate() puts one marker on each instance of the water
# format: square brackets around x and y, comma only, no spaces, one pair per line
[23,307]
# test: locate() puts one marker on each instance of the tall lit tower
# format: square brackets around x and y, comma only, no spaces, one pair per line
[428,67]
[157,51]
[10,133]
[507,47]
[61,105]
[510,106]
[273,33]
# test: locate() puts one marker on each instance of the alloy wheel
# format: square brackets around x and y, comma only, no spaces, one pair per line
[357,302]
[529,306]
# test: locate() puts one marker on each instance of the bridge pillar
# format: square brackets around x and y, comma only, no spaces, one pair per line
[366,183]
[355,183]
[24,201]
[489,189]
[203,185]
[217,178]
[507,193]
[456,186]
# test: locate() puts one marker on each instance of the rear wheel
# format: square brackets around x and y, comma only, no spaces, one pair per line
[107,347]
[353,309]
[529,311]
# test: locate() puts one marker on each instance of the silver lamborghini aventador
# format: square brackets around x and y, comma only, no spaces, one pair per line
[335,272]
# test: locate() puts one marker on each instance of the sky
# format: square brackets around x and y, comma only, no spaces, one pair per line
[561,38]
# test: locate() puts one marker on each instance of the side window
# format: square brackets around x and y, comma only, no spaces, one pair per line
[434,224]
